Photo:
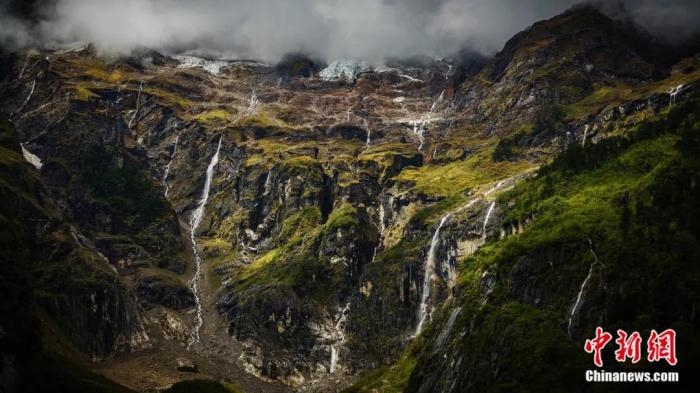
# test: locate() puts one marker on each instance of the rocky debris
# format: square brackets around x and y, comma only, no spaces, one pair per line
[185,365]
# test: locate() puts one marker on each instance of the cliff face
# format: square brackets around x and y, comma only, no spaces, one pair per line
[334,222]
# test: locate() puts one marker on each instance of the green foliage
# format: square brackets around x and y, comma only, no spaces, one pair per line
[548,119]
[632,199]
[122,184]
[506,149]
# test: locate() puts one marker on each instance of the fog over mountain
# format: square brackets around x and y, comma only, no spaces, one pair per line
[363,29]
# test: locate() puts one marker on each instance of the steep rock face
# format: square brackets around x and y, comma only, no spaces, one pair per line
[534,296]
[556,63]
[94,308]
[326,196]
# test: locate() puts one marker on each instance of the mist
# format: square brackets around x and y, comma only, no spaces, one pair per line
[331,29]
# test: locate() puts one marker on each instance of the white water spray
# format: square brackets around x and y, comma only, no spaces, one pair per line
[340,333]
[673,92]
[585,134]
[579,296]
[369,133]
[195,220]
[486,219]
[167,167]
[494,188]
[26,101]
[138,99]
[252,104]
[419,125]
[382,228]
[577,304]
[424,311]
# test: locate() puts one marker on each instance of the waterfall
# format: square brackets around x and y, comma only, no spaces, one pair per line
[579,296]
[585,134]
[436,102]
[30,157]
[26,101]
[334,359]
[494,188]
[138,98]
[673,92]
[252,104]
[195,220]
[419,131]
[577,304]
[424,310]
[24,66]
[340,332]
[267,187]
[486,219]
[348,114]
[419,125]
[369,133]
[167,167]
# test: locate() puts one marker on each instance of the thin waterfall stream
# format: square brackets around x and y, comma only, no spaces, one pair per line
[195,221]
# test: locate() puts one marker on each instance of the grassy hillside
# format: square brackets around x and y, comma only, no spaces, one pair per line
[626,206]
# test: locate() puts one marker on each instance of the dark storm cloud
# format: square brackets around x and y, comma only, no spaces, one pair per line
[363,29]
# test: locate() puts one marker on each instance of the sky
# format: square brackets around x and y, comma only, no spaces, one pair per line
[331,29]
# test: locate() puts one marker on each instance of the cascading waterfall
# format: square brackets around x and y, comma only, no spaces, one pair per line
[138,99]
[436,102]
[369,133]
[195,220]
[24,66]
[486,219]
[382,229]
[31,91]
[494,188]
[340,333]
[579,296]
[585,134]
[673,92]
[252,103]
[424,310]
[167,167]
[577,304]
[419,125]
[26,100]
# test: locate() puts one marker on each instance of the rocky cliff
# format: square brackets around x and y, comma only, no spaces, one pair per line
[305,224]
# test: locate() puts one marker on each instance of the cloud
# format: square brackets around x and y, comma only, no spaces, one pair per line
[266,29]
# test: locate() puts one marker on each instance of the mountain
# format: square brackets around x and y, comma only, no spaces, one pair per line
[423,225]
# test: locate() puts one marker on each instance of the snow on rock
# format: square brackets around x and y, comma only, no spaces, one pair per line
[30,157]
[344,69]
[212,66]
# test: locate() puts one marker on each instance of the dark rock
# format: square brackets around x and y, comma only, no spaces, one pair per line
[165,291]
